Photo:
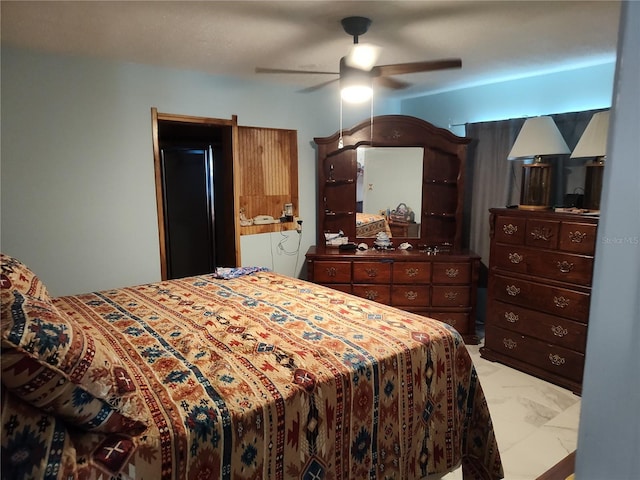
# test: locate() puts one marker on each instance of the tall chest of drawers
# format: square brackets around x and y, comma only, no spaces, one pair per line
[539,292]
[442,286]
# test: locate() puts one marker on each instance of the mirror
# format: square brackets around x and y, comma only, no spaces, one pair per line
[426,161]
[389,191]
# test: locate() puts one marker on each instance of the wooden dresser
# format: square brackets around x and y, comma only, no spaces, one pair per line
[540,273]
[442,286]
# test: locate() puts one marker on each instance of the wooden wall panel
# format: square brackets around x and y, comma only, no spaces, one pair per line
[268,173]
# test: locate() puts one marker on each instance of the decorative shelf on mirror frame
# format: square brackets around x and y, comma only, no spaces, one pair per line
[330,213]
[439,215]
[452,183]
[344,181]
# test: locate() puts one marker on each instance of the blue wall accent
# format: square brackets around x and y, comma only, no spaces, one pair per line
[569,91]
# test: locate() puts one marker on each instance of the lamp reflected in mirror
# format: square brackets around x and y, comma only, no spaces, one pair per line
[593,143]
[539,138]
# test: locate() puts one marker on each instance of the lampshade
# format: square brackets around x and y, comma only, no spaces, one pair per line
[539,136]
[593,142]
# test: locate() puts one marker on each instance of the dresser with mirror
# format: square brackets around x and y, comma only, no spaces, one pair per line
[402,179]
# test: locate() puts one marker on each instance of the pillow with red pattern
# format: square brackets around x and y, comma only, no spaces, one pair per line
[55,365]
[34,443]
[14,275]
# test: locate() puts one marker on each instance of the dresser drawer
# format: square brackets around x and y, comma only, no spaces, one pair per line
[451,273]
[557,266]
[567,303]
[343,287]
[411,272]
[458,320]
[551,358]
[375,292]
[331,272]
[450,296]
[410,295]
[510,230]
[547,328]
[542,233]
[371,272]
[578,237]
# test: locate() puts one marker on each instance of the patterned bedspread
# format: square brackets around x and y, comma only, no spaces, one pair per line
[268,377]
[369,225]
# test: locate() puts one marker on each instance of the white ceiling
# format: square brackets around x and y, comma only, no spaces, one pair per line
[496,40]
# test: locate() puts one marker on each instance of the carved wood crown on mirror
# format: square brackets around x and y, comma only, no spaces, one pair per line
[439,219]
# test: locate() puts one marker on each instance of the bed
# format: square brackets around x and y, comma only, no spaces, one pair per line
[368,225]
[243,374]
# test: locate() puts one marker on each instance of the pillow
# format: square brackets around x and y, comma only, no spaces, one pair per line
[34,444]
[55,365]
[14,275]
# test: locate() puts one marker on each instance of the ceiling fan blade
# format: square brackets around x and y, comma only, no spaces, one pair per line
[415,67]
[392,83]
[317,87]
[283,70]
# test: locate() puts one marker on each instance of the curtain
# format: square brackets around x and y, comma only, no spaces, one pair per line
[495,181]
[491,176]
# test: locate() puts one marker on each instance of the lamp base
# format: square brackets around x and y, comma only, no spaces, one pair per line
[535,192]
[593,185]
[533,207]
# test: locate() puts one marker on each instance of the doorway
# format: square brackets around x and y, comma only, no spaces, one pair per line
[194,194]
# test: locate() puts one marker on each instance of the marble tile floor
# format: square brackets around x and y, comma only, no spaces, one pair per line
[536,422]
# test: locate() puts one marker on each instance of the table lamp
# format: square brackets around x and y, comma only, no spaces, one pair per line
[538,138]
[593,143]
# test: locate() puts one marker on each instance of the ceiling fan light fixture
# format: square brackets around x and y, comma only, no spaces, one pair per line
[355,84]
[363,56]
[356,93]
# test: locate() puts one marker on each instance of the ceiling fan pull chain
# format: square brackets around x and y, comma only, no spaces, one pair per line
[340,141]
[372,114]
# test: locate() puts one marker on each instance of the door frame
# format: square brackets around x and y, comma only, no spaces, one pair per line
[233,148]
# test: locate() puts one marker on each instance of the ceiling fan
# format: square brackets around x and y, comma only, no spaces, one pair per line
[358,66]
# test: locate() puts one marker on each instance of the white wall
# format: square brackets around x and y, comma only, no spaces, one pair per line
[78,191]
[609,435]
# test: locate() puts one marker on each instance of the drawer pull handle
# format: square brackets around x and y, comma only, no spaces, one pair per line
[411,272]
[370,294]
[515,258]
[371,272]
[451,296]
[561,302]
[509,229]
[556,359]
[511,317]
[411,295]
[512,290]
[510,344]
[564,266]
[577,236]
[452,272]
[559,331]
[331,271]
[540,233]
